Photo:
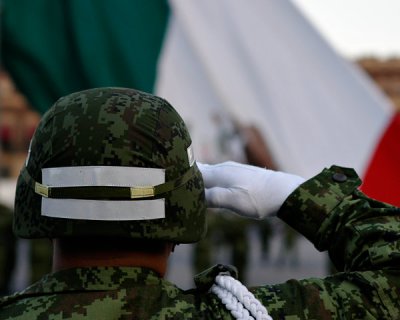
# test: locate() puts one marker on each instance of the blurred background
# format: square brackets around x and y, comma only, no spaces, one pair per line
[289,85]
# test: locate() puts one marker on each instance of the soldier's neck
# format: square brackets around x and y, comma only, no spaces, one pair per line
[109,258]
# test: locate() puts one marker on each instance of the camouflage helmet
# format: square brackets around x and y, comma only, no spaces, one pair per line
[111,162]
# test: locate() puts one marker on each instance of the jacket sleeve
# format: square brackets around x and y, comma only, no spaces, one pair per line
[362,237]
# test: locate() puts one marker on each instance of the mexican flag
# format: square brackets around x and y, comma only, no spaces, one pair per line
[223,65]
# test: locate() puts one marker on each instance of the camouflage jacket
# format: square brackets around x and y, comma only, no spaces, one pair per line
[362,237]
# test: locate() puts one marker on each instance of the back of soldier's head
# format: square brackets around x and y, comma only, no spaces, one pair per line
[111,162]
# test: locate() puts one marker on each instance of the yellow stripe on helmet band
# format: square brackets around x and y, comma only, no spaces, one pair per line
[107,192]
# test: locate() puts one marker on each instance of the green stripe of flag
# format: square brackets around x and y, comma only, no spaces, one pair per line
[52,48]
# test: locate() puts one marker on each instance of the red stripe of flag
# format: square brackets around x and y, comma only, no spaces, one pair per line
[382,178]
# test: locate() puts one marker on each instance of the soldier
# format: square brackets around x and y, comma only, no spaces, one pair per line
[111,179]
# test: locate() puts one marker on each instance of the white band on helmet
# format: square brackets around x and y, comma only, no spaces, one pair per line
[190,154]
[115,210]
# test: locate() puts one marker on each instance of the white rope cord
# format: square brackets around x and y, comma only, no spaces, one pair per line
[231,303]
[238,300]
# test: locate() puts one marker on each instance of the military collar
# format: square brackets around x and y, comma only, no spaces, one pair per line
[93,279]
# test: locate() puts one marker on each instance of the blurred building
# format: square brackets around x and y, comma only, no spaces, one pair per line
[386,74]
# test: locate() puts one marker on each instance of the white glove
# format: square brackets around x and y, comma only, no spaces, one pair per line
[250,191]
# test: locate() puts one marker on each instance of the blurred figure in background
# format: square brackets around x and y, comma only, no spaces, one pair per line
[17,124]
[228,235]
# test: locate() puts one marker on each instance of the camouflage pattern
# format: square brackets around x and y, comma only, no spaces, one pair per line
[362,237]
[113,127]
[205,279]
[108,293]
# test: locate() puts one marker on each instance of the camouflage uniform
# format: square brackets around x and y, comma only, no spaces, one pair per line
[361,235]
